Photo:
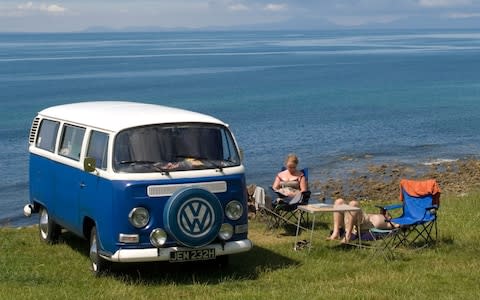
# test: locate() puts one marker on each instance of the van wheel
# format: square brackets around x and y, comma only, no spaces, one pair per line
[97,263]
[48,229]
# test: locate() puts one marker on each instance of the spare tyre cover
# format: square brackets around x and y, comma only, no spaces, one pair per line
[193,216]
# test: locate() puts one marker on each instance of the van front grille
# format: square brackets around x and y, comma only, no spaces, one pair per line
[169,189]
[33,130]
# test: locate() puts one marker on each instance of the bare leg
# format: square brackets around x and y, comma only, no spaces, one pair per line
[338,221]
[378,221]
[351,219]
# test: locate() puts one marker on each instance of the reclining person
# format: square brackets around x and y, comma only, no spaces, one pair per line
[290,183]
[348,220]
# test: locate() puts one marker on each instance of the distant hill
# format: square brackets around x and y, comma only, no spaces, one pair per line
[420,22]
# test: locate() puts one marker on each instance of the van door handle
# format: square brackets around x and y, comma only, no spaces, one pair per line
[82,185]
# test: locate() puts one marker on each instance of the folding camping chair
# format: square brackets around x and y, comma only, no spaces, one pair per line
[288,213]
[417,224]
[280,214]
[283,213]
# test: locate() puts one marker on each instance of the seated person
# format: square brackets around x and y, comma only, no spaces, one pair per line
[348,220]
[291,182]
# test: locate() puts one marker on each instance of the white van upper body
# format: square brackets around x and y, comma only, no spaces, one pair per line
[114,116]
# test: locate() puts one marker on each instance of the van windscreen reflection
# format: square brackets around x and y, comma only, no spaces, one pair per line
[166,148]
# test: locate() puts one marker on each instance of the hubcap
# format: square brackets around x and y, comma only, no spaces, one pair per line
[93,251]
[44,224]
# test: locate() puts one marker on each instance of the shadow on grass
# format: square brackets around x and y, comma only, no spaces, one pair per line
[243,266]
[290,229]
[446,240]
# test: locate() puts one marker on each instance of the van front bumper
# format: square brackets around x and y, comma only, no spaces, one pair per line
[163,254]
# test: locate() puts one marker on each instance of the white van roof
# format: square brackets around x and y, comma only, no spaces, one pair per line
[117,115]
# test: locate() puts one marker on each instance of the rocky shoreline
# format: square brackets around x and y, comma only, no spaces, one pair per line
[381,182]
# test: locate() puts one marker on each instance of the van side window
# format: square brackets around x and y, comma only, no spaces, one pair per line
[47,135]
[229,150]
[71,143]
[97,148]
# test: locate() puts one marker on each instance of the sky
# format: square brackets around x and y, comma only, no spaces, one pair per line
[78,15]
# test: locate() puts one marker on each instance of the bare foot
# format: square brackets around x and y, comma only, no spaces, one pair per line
[332,238]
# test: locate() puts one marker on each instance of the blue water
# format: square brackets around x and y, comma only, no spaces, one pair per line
[339,99]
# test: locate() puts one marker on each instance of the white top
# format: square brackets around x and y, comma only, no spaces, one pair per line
[117,115]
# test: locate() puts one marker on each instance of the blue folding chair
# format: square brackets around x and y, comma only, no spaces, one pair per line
[282,212]
[417,224]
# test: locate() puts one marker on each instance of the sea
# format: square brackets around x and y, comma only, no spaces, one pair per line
[341,100]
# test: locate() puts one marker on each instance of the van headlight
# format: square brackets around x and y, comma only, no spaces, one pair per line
[226,232]
[234,210]
[139,217]
[158,237]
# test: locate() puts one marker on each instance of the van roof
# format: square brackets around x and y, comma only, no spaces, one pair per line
[118,115]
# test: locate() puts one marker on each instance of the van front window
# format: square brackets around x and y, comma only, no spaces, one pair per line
[166,147]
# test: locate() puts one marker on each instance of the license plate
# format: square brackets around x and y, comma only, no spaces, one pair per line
[192,255]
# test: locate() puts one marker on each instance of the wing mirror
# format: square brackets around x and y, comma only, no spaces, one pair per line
[89,164]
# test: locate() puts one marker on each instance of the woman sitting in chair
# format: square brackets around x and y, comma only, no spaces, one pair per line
[290,183]
[348,220]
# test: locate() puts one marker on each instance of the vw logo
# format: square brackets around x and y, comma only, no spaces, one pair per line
[196,217]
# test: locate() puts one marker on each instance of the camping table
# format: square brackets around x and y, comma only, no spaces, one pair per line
[314,209]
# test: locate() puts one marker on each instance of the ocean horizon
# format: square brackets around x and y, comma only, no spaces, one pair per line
[340,99]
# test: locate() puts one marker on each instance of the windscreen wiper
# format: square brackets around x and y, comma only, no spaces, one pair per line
[158,167]
[134,162]
[216,165]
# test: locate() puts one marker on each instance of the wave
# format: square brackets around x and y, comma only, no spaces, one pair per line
[367,49]
[16,220]
[135,56]
[151,73]
[439,161]
[411,155]
[14,195]
[16,186]
[197,44]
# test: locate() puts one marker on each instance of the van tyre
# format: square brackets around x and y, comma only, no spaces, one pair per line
[48,229]
[97,264]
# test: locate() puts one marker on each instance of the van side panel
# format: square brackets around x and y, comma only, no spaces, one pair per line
[42,182]
[96,198]
[56,187]
[67,196]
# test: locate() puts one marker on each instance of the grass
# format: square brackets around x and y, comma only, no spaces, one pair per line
[30,269]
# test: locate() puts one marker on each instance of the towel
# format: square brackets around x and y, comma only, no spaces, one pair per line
[420,188]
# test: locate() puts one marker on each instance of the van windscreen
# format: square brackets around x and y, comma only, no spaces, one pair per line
[167,147]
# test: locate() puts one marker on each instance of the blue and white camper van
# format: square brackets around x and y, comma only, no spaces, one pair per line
[142,182]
